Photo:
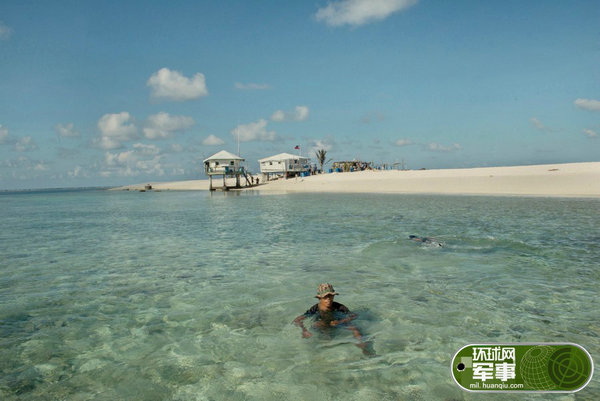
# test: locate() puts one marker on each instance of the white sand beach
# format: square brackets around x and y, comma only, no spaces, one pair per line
[571,180]
[191,185]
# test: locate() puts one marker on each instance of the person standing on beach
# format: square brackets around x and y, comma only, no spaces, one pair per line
[329,313]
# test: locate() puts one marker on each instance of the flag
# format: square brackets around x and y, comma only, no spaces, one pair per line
[297,147]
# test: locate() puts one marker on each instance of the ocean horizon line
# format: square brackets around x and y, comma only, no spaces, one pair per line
[57,189]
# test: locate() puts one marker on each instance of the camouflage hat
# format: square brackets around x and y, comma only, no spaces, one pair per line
[325,289]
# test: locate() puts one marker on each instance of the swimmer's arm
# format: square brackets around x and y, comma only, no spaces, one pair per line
[347,319]
[298,322]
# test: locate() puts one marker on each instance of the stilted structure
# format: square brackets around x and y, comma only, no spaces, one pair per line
[283,165]
[227,165]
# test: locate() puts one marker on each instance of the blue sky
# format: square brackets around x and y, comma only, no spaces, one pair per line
[109,93]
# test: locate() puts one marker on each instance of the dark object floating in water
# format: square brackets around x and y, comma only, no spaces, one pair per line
[425,240]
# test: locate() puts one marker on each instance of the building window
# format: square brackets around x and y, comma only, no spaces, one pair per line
[231,163]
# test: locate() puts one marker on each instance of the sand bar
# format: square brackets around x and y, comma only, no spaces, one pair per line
[572,180]
[191,185]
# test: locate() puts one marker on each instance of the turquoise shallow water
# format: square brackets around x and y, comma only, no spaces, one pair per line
[190,296]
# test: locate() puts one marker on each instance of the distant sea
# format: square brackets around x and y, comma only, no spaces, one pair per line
[190,295]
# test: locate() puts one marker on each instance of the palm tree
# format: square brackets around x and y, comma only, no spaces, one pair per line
[321,155]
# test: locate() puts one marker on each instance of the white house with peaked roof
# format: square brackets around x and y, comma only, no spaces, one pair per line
[227,165]
[284,165]
[221,163]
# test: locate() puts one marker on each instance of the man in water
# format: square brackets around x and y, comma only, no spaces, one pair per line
[425,240]
[329,313]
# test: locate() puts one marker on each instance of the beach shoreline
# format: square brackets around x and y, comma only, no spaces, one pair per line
[551,180]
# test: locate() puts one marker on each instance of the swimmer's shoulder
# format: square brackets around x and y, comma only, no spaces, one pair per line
[340,307]
[313,309]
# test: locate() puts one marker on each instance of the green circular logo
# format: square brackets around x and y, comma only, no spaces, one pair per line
[513,367]
[534,368]
[568,368]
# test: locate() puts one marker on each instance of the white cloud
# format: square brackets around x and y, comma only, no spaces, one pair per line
[24,168]
[300,113]
[12,163]
[77,171]
[25,144]
[588,104]
[403,142]
[172,85]
[152,166]
[66,130]
[177,148]
[212,140]
[116,159]
[590,133]
[253,132]
[40,166]
[5,31]
[3,134]
[114,130]
[436,147]
[359,12]
[317,144]
[251,86]
[278,115]
[149,150]
[537,123]
[371,117]
[164,125]
[143,159]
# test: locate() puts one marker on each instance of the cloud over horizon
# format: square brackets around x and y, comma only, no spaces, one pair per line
[66,130]
[142,159]
[212,140]
[163,125]
[317,144]
[114,130]
[588,104]
[360,12]
[300,113]
[436,147]
[537,123]
[172,85]
[256,131]
[3,134]
[403,142]
[25,144]
[5,31]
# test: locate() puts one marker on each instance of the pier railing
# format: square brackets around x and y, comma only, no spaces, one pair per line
[227,170]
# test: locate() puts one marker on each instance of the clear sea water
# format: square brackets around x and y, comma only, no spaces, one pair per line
[190,295]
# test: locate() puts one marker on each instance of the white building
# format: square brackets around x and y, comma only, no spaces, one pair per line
[227,165]
[222,163]
[283,165]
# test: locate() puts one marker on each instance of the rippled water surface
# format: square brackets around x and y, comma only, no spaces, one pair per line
[190,296]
